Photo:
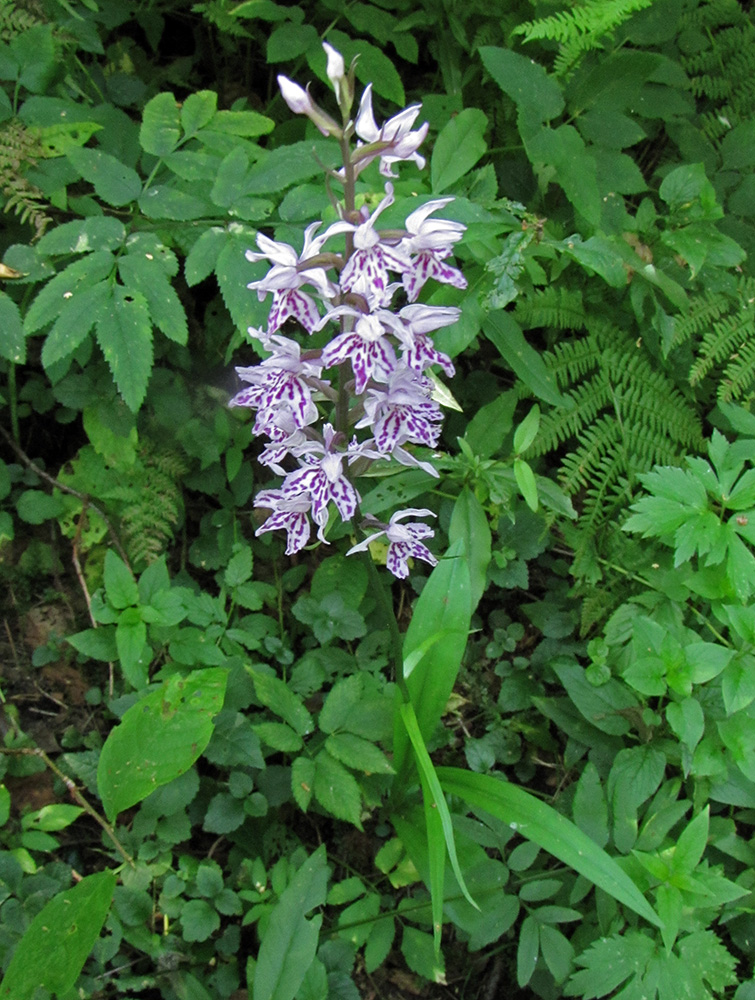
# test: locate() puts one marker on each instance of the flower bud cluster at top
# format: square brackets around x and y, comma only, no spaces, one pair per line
[381,353]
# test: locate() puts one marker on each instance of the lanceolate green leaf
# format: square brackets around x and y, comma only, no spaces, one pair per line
[459,146]
[76,319]
[435,802]
[290,942]
[540,823]
[57,942]
[159,738]
[524,81]
[470,524]
[443,608]
[503,330]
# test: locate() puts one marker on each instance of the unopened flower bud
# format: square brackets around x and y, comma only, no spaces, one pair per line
[343,83]
[301,103]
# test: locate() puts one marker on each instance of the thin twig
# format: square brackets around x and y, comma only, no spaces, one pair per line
[83,497]
[75,794]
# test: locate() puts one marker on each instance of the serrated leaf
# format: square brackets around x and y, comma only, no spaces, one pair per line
[303,781]
[357,753]
[279,736]
[245,124]
[160,130]
[280,699]
[130,641]
[52,952]
[159,738]
[125,338]
[340,702]
[144,274]
[199,920]
[12,339]
[77,317]
[203,256]
[80,274]
[336,790]
[180,201]
[114,181]
[590,809]
[458,147]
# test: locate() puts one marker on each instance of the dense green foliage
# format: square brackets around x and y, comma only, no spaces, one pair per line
[562,794]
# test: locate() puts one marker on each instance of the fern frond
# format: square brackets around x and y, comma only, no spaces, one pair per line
[703,310]
[15,20]
[585,402]
[19,149]
[573,359]
[728,337]
[580,29]
[154,504]
[551,307]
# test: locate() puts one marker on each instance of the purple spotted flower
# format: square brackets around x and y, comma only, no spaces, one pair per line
[366,271]
[403,541]
[394,142]
[280,389]
[367,347]
[387,346]
[289,513]
[323,479]
[287,276]
[430,242]
[402,411]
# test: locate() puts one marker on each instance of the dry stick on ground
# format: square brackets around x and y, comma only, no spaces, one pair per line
[75,793]
[86,501]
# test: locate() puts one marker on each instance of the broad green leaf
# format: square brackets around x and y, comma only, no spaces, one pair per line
[526,83]
[244,124]
[82,273]
[357,753]
[340,702]
[12,340]
[203,256]
[77,317]
[58,941]
[337,790]
[234,272]
[143,274]
[418,948]
[36,506]
[290,41]
[691,844]
[539,822]
[469,524]
[635,775]
[160,130]
[379,942]
[276,695]
[504,332]
[527,950]
[489,426]
[738,146]
[130,641]
[290,942]
[125,338]
[120,586]
[526,432]
[738,683]
[373,66]
[590,810]
[291,164]
[439,629]
[114,181]
[575,168]
[599,255]
[197,111]
[459,146]
[303,781]
[184,203]
[159,738]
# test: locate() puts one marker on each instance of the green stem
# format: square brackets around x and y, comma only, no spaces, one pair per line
[397,645]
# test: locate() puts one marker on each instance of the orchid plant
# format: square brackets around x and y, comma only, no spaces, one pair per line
[380,353]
